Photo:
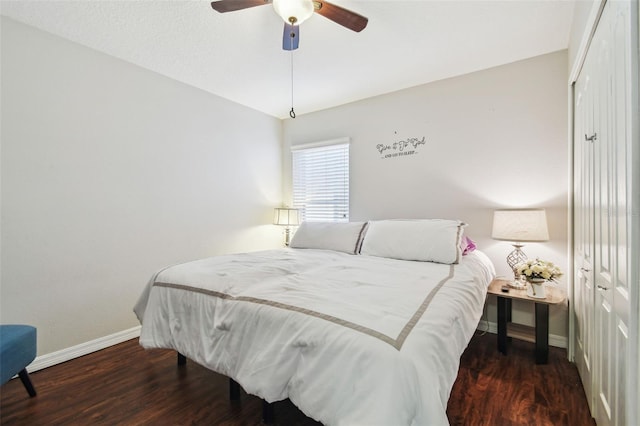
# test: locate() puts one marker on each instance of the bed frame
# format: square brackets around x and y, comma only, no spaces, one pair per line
[234,394]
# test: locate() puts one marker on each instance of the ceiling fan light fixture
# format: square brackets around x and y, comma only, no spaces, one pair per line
[293,12]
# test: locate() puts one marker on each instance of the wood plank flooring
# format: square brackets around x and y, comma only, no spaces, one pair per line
[126,385]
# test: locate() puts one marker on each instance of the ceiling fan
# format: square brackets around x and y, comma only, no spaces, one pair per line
[295,12]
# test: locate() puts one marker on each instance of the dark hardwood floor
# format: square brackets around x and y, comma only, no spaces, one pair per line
[126,385]
[493,389]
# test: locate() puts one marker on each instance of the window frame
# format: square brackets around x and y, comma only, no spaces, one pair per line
[312,207]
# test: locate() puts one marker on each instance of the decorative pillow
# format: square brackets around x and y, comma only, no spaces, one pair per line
[427,240]
[467,245]
[337,236]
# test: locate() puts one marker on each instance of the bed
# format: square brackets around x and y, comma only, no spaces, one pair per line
[359,323]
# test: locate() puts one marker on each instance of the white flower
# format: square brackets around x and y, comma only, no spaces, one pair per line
[538,269]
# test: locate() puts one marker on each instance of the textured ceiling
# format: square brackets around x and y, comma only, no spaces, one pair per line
[238,55]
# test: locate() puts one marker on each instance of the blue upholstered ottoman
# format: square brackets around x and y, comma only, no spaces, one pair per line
[17,350]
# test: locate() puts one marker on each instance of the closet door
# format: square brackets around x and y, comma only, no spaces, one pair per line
[584,227]
[605,222]
[603,216]
[611,46]
[617,293]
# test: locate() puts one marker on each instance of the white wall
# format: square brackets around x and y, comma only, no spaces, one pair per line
[494,139]
[110,172]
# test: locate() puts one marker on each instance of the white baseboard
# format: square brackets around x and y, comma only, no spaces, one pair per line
[63,355]
[554,339]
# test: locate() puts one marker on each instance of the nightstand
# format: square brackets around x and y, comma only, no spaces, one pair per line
[538,334]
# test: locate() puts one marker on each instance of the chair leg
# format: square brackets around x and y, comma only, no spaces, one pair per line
[26,381]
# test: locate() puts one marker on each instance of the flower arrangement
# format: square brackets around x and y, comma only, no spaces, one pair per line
[538,269]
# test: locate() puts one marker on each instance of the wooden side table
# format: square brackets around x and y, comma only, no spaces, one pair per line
[538,334]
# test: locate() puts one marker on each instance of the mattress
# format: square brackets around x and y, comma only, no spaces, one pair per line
[349,339]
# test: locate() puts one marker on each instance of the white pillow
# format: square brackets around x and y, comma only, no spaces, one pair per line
[428,240]
[337,236]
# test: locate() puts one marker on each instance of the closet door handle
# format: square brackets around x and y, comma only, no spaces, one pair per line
[585,270]
[601,287]
[593,137]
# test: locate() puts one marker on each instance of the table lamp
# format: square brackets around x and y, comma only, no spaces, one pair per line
[287,217]
[519,226]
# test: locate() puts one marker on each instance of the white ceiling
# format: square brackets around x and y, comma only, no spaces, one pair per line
[238,55]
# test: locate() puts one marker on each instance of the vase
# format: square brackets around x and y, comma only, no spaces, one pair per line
[536,288]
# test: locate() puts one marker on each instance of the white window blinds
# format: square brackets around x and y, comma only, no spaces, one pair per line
[321,181]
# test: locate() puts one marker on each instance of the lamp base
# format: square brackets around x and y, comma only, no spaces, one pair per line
[515,257]
[287,236]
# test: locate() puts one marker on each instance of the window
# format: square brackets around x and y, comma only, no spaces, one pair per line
[321,181]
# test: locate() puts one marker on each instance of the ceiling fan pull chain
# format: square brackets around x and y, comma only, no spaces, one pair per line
[292,113]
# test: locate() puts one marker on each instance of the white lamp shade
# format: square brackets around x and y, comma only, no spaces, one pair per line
[520,225]
[286,217]
[299,10]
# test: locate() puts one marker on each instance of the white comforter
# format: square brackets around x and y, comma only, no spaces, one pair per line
[350,339]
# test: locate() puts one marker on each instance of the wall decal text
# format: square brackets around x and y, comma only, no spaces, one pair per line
[400,148]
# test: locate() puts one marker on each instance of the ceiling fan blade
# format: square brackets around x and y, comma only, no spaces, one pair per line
[290,37]
[340,15]
[232,5]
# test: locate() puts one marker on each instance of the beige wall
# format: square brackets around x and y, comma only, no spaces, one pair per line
[585,13]
[110,172]
[494,139]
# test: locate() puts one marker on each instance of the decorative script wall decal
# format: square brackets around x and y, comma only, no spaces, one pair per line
[400,148]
